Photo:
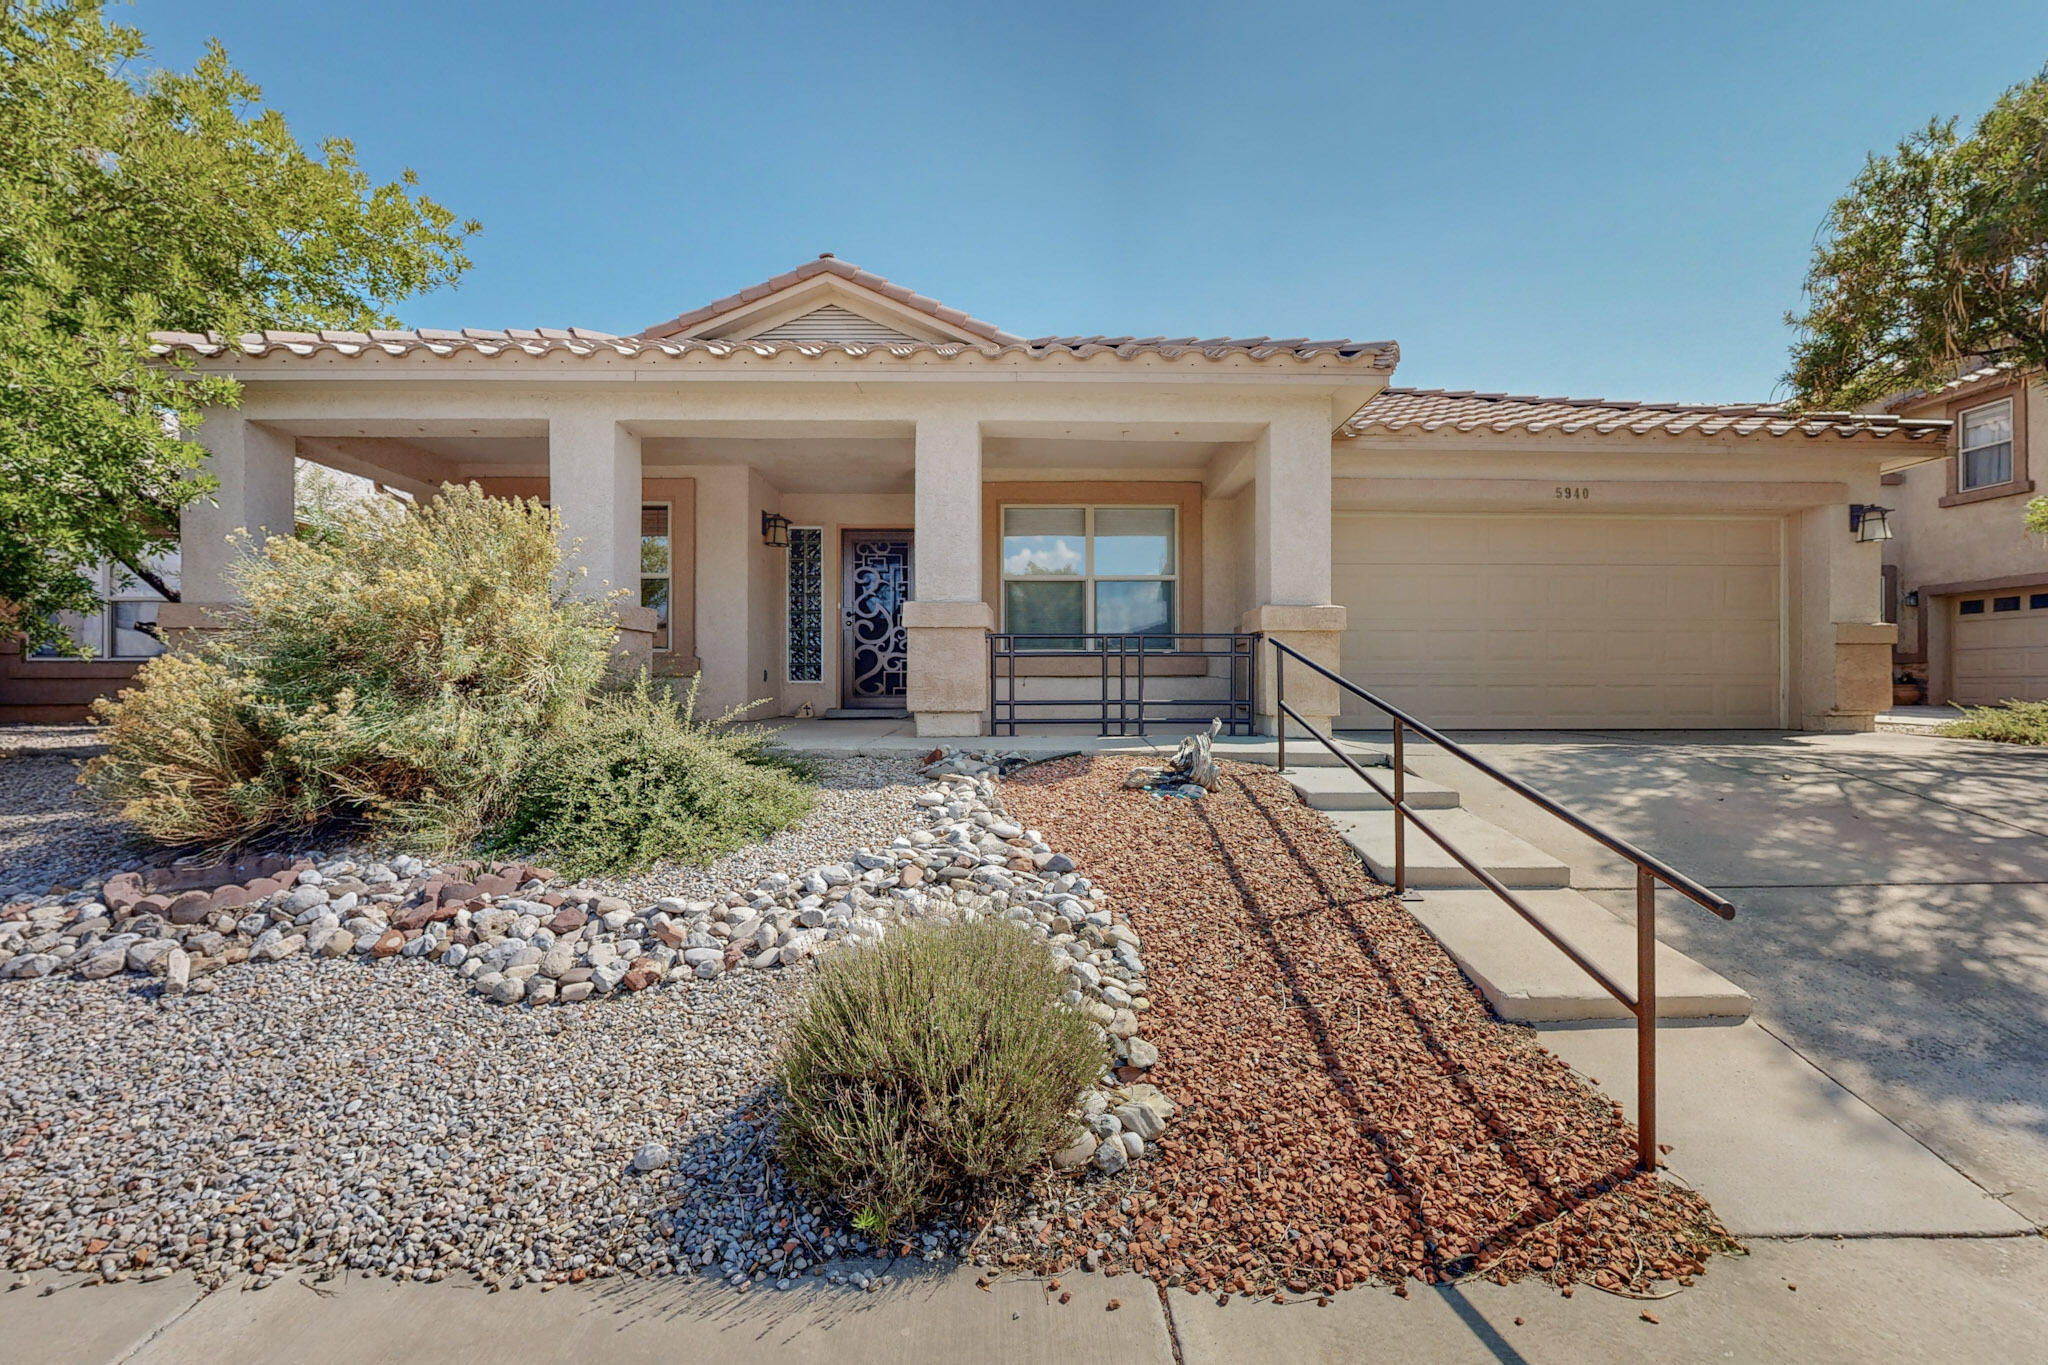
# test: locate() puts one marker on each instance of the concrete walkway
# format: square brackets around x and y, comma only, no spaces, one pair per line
[1893,899]
[1808,1300]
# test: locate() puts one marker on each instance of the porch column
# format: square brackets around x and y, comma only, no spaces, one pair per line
[254,465]
[946,622]
[1291,562]
[728,539]
[1842,656]
[594,487]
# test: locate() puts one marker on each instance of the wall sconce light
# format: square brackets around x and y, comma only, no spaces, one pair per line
[775,530]
[1912,599]
[1867,521]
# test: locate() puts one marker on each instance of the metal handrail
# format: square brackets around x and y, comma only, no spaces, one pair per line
[1116,704]
[1642,1001]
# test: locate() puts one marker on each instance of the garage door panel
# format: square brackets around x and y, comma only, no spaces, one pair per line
[2002,655]
[1563,622]
[1754,542]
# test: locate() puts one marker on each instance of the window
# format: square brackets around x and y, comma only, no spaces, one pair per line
[1101,570]
[806,604]
[2005,604]
[127,606]
[2038,601]
[1984,446]
[657,567]
[1974,607]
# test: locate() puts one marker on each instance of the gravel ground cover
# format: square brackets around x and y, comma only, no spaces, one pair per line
[861,801]
[1350,1112]
[315,1116]
[48,834]
[335,1100]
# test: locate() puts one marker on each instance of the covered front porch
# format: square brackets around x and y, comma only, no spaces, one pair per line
[859,566]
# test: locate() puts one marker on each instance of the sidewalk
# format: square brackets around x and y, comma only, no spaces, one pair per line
[1862,1300]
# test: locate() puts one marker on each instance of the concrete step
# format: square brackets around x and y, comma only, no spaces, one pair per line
[1515,862]
[1339,789]
[1301,753]
[1526,979]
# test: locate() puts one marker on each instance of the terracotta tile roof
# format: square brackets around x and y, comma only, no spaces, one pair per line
[578,341]
[1977,377]
[670,339]
[1429,410]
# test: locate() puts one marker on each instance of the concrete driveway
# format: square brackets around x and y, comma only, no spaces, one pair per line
[1893,898]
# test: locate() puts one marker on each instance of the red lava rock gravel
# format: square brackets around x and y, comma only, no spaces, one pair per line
[1350,1111]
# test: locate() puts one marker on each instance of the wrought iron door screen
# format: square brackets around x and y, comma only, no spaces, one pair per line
[877,650]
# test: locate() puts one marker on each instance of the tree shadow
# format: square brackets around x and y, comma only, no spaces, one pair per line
[1892,897]
[1553,1199]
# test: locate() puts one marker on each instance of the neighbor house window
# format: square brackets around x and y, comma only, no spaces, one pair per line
[657,567]
[1069,571]
[806,604]
[1984,446]
[123,626]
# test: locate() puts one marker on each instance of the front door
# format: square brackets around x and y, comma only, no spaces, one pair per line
[874,650]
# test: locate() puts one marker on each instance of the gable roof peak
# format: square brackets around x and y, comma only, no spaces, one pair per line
[694,322]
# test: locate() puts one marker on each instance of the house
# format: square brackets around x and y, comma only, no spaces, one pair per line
[826,492]
[1963,578]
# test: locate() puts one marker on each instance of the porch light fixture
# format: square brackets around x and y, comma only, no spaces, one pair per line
[1867,521]
[775,530]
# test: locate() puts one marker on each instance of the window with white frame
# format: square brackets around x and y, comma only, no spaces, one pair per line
[657,567]
[121,628]
[1070,571]
[1984,446]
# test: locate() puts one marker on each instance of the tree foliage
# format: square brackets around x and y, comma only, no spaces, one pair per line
[1935,260]
[136,200]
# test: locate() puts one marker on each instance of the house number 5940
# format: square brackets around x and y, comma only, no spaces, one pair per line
[1565,492]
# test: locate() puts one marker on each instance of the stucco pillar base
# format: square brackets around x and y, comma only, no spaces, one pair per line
[948,665]
[1863,675]
[186,625]
[633,650]
[1314,632]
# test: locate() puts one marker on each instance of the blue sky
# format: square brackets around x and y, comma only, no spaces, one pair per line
[1613,200]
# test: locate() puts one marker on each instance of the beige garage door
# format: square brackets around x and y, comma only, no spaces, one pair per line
[2001,646]
[1512,622]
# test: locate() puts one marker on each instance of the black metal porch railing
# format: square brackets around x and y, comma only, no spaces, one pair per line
[1640,1002]
[1121,704]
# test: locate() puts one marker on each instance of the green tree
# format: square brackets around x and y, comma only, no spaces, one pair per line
[1936,259]
[137,200]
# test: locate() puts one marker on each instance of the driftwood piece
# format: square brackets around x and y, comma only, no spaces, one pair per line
[1195,760]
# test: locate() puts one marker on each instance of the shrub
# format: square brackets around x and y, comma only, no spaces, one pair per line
[397,670]
[930,1065]
[637,777]
[2015,722]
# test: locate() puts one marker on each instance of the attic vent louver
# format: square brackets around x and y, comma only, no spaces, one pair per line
[833,323]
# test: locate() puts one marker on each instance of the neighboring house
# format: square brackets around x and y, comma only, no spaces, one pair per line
[1963,577]
[826,491]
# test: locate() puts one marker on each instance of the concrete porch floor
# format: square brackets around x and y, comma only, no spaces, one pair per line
[892,737]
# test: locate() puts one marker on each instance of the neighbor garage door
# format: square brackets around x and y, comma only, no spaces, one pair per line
[1513,622]
[2001,646]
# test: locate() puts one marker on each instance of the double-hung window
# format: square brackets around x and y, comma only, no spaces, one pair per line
[121,628]
[657,567]
[1984,446]
[1071,571]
